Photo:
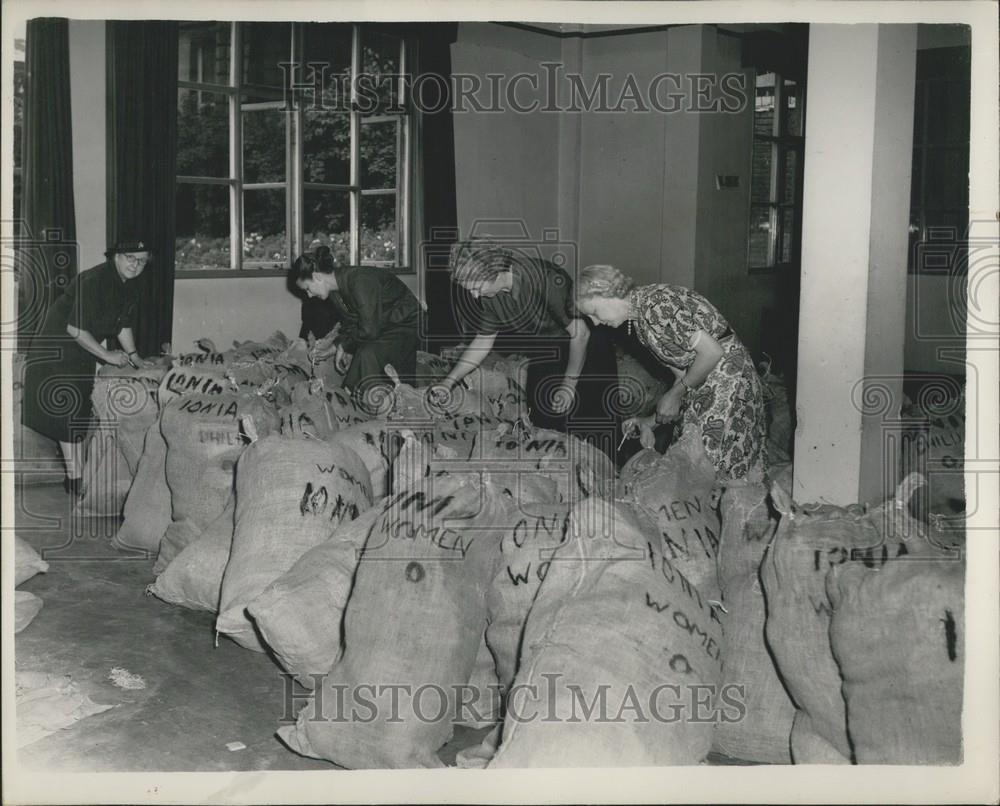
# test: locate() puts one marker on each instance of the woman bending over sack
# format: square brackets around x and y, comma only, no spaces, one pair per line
[525,306]
[378,315]
[98,304]
[717,389]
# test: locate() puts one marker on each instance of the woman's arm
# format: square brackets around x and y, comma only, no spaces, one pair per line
[471,358]
[92,346]
[579,335]
[707,352]
[127,340]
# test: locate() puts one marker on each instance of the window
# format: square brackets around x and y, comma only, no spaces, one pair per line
[939,184]
[301,139]
[776,172]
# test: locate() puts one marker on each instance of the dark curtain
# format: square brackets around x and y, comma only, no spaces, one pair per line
[48,256]
[142,158]
[440,215]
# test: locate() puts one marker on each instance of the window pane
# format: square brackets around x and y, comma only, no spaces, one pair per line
[202,239]
[203,52]
[791,175]
[947,178]
[760,236]
[329,44]
[793,107]
[264,239]
[763,117]
[379,148]
[326,219]
[787,233]
[379,67]
[378,229]
[202,134]
[327,147]
[265,46]
[760,176]
[264,145]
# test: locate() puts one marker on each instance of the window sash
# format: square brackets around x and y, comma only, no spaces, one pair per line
[294,185]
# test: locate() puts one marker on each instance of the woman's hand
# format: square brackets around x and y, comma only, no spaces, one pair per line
[116,358]
[668,408]
[645,427]
[563,395]
[341,359]
[441,395]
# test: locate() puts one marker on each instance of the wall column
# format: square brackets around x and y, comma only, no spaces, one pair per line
[859,129]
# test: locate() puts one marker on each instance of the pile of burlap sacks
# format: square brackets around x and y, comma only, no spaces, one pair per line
[421,568]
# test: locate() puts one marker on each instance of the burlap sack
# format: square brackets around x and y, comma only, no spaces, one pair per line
[935,447]
[378,443]
[204,436]
[898,635]
[127,406]
[501,382]
[181,381]
[26,607]
[428,565]
[430,369]
[577,468]
[147,506]
[256,350]
[616,645]
[810,540]
[106,476]
[526,552]
[27,561]
[780,422]
[764,732]
[678,490]
[291,495]
[300,613]
[193,579]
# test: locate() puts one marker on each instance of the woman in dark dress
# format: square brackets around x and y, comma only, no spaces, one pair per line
[718,390]
[379,318]
[98,304]
[526,306]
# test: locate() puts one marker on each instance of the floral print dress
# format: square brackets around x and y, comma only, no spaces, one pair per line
[728,407]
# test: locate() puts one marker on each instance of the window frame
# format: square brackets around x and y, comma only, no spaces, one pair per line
[781,143]
[294,183]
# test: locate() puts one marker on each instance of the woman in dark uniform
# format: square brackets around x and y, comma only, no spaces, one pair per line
[379,317]
[98,304]
[526,306]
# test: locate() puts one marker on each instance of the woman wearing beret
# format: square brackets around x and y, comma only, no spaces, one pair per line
[98,304]
[379,317]
[525,305]
[718,389]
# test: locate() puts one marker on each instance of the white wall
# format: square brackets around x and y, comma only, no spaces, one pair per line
[507,164]
[89,107]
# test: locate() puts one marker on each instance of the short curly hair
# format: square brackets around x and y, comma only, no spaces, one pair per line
[602,280]
[479,259]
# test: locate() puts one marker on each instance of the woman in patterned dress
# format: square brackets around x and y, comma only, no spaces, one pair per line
[717,388]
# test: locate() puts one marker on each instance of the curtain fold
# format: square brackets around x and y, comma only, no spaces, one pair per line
[48,257]
[142,159]
[436,183]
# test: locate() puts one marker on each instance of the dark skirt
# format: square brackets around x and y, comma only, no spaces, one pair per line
[397,347]
[58,383]
[594,416]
